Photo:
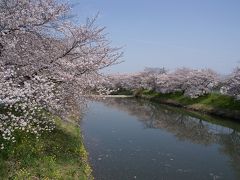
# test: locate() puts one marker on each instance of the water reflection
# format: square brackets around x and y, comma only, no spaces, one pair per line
[231,147]
[184,126]
[137,139]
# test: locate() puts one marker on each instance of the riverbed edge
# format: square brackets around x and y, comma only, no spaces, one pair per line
[223,113]
[222,106]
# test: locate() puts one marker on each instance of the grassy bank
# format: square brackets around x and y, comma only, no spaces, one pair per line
[215,104]
[56,155]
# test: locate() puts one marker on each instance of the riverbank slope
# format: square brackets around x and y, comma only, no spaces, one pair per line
[56,155]
[214,104]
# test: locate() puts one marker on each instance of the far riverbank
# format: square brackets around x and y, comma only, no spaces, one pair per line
[213,104]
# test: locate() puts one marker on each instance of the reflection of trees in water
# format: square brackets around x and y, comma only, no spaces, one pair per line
[183,126]
[231,146]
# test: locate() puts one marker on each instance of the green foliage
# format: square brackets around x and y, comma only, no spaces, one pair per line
[56,155]
[122,91]
[221,101]
[213,100]
[214,103]
[138,92]
[149,93]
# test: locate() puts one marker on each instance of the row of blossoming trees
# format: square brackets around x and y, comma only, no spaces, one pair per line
[192,83]
[47,64]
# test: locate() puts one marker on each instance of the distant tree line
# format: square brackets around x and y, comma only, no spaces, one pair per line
[191,82]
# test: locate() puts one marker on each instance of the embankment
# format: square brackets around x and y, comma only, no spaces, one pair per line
[59,154]
[213,104]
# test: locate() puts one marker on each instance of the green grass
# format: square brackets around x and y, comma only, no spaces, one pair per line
[211,100]
[212,119]
[122,92]
[56,155]
[214,103]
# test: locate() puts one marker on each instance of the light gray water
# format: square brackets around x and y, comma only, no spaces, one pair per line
[131,139]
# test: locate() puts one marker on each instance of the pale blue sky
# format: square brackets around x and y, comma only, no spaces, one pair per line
[170,33]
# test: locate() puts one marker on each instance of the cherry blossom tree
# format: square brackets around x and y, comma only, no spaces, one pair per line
[149,77]
[192,83]
[200,82]
[130,81]
[47,63]
[231,85]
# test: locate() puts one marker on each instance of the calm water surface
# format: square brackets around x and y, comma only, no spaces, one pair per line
[132,139]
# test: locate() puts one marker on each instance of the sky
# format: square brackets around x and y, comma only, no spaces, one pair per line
[169,33]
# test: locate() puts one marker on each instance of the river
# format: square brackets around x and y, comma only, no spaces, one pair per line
[135,139]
